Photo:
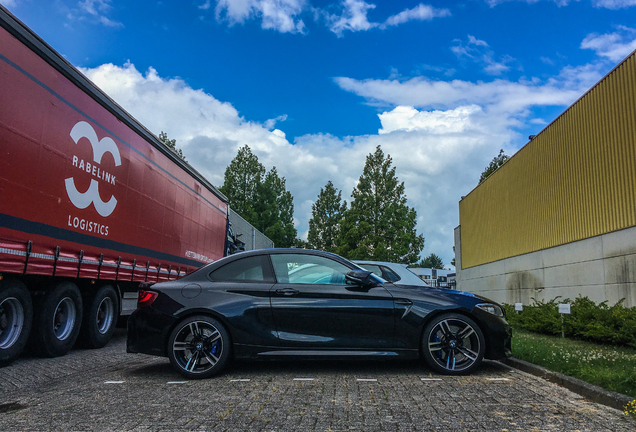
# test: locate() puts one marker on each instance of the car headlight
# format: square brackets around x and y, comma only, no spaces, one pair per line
[491,308]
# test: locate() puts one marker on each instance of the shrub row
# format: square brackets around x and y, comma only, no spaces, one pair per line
[588,321]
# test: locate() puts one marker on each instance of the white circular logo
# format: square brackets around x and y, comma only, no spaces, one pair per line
[100,147]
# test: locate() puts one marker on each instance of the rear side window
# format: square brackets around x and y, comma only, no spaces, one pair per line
[254,269]
[390,275]
[373,268]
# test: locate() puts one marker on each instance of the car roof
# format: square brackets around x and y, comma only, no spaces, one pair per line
[386,263]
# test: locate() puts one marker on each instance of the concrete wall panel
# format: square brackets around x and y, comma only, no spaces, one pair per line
[580,268]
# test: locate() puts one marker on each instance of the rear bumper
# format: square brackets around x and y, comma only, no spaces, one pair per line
[148,331]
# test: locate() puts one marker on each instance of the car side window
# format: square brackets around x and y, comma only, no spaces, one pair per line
[308,269]
[252,268]
[372,268]
[390,275]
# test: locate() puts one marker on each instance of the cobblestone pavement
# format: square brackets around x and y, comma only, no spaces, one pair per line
[108,389]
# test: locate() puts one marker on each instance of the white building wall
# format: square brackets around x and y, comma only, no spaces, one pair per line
[602,268]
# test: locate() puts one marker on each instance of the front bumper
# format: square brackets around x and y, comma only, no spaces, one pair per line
[498,335]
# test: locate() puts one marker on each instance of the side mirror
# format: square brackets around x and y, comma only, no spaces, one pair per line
[360,277]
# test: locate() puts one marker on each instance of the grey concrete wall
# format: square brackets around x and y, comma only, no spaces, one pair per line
[253,238]
[602,268]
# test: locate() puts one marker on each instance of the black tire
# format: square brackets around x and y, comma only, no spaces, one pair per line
[16,318]
[57,320]
[453,344]
[199,347]
[101,312]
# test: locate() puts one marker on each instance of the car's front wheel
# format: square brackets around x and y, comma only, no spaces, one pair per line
[453,344]
[199,347]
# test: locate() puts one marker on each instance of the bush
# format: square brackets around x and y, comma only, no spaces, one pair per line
[588,321]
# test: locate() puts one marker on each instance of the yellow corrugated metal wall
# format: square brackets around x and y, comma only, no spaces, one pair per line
[575,180]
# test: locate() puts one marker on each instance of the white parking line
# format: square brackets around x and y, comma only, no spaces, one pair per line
[367,379]
[303,379]
[497,379]
[113,382]
[176,382]
[240,380]
[431,379]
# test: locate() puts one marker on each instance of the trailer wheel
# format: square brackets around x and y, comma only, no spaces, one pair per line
[100,317]
[16,317]
[57,320]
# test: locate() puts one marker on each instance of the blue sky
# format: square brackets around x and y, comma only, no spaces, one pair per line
[313,86]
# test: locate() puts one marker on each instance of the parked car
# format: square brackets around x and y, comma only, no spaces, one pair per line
[297,303]
[392,272]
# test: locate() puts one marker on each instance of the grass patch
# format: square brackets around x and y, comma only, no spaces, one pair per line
[610,367]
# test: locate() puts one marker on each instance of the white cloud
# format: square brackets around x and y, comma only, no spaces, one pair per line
[614,4]
[474,41]
[206,5]
[9,3]
[493,3]
[279,15]
[501,96]
[96,9]
[614,46]
[440,135]
[420,12]
[109,23]
[479,52]
[353,17]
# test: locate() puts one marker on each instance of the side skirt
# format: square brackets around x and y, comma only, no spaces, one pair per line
[259,352]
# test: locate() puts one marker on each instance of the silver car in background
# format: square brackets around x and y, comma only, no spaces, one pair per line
[392,272]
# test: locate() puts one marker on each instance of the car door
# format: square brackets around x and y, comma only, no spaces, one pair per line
[240,292]
[315,307]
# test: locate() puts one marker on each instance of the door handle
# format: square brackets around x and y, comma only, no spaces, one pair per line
[404,302]
[287,291]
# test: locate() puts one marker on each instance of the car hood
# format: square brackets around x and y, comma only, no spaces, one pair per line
[417,291]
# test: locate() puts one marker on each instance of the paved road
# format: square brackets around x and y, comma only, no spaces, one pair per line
[110,390]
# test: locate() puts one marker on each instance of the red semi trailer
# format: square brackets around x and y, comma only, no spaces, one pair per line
[91,204]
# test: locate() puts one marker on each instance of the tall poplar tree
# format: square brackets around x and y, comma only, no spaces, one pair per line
[261,199]
[326,214]
[275,209]
[241,184]
[379,224]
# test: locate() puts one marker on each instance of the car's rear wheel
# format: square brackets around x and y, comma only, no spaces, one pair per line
[199,347]
[453,344]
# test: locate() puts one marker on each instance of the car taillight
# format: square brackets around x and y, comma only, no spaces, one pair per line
[146,298]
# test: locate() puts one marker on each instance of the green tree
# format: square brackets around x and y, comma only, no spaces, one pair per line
[497,161]
[326,214]
[301,244]
[432,261]
[379,225]
[261,199]
[274,206]
[171,144]
[241,184]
